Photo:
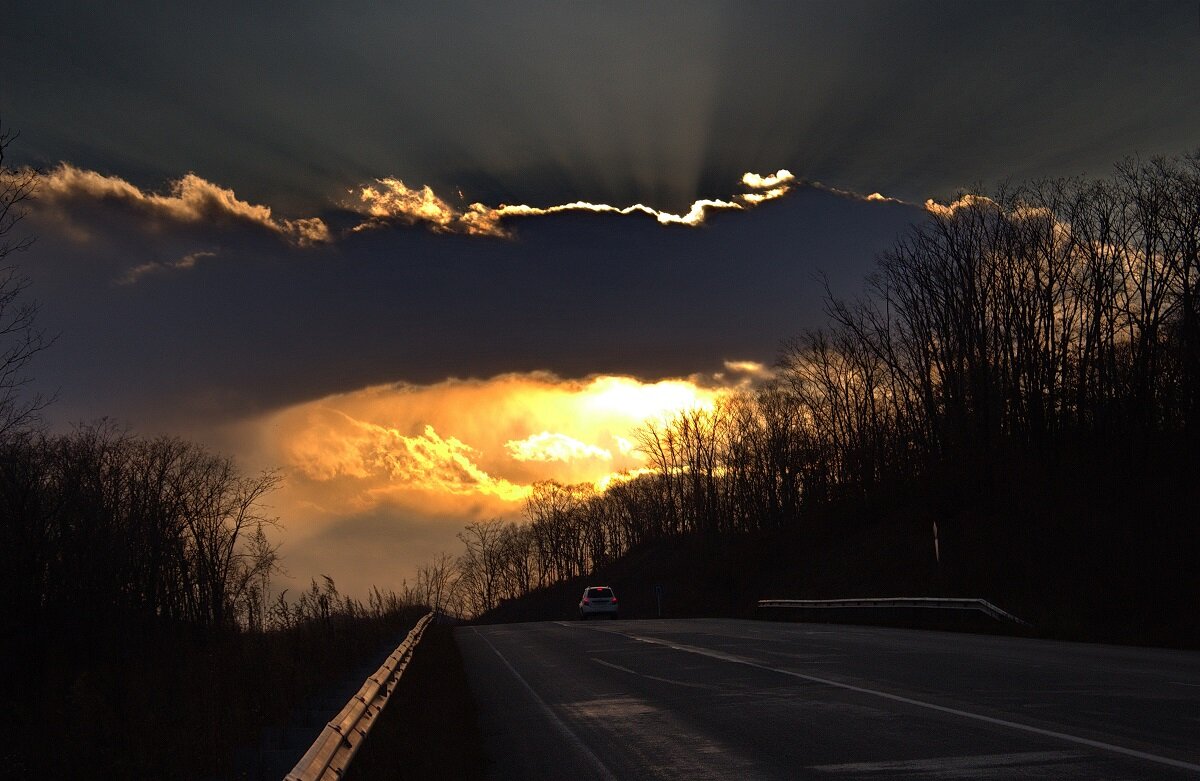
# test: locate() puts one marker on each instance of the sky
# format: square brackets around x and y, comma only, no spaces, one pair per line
[419,257]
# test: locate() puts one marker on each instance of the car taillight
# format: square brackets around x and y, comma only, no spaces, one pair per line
[614,600]
[586,602]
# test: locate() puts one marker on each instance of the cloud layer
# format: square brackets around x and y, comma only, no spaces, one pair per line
[487,440]
[78,200]
[395,464]
[189,201]
[219,306]
[390,199]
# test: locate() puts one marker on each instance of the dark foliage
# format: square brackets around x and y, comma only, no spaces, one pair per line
[101,526]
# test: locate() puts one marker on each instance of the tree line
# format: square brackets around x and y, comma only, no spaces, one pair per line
[1046,324]
[102,523]
[102,526]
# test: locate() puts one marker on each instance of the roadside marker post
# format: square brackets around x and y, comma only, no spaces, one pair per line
[658,597]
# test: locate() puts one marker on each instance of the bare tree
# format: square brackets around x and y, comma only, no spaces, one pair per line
[480,567]
[436,580]
[20,339]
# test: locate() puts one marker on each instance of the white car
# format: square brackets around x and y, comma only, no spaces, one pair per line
[598,601]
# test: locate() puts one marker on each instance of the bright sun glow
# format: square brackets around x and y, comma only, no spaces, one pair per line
[466,447]
[627,398]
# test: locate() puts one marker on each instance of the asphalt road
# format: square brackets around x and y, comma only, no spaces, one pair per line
[717,698]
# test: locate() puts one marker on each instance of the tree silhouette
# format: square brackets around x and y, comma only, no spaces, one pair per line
[20,339]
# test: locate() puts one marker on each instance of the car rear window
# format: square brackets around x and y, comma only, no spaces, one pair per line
[600,593]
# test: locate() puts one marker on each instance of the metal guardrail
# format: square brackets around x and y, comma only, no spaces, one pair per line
[981,605]
[330,755]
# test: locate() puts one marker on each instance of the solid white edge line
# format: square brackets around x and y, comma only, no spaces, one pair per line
[599,766]
[920,703]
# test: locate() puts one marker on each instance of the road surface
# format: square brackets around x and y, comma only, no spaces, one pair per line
[718,698]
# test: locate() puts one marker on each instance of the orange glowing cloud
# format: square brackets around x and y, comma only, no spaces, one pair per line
[191,199]
[391,198]
[768,182]
[765,195]
[749,369]
[380,480]
[330,444]
[966,201]
[547,446]
[66,193]
[462,449]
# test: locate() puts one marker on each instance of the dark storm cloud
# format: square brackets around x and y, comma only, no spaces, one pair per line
[547,102]
[178,323]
